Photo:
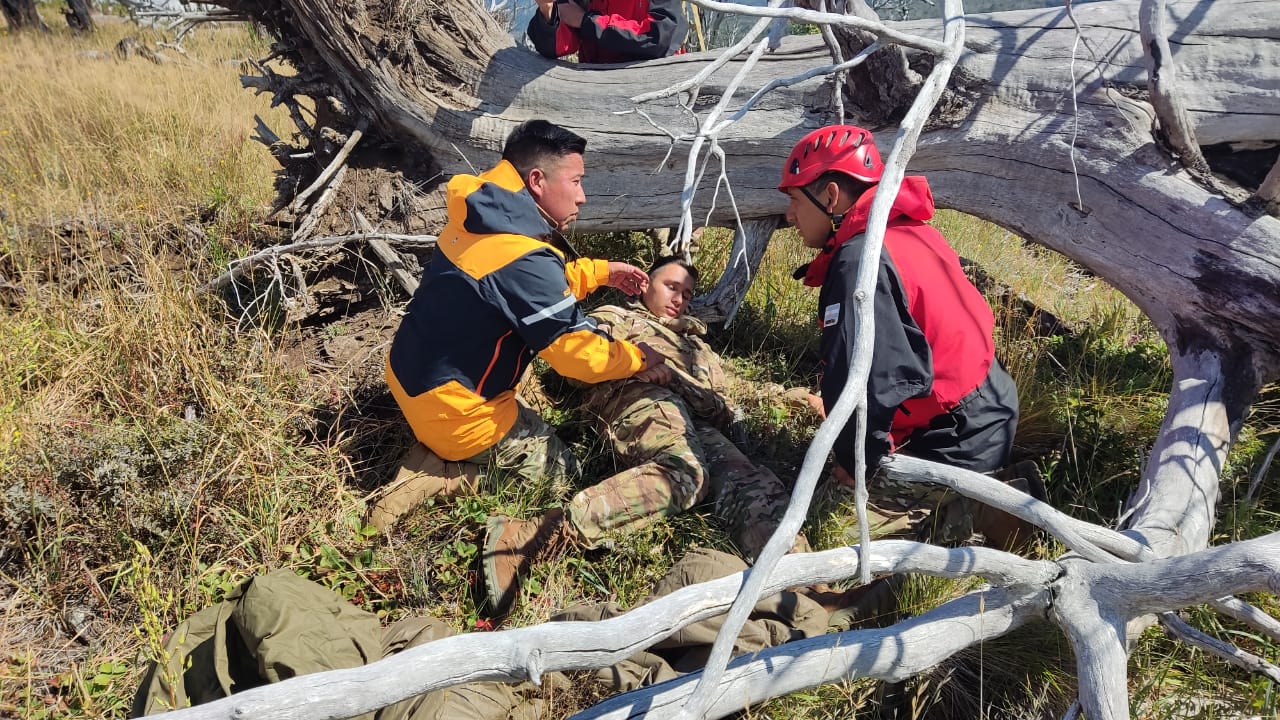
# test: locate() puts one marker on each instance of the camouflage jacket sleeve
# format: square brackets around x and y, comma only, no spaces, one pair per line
[703,401]
[699,378]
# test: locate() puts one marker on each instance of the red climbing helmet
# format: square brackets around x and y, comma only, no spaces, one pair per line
[844,149]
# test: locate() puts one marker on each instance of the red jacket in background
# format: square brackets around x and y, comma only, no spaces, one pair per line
[613,31]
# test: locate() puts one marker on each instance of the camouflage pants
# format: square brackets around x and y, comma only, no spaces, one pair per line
[676,462]
[652,432]
[530,450]
[750,499]
[914,511]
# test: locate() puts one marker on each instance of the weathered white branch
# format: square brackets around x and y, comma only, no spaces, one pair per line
[1092,602]
[701,76]
[1225,650]
[1178,582]
[836,70]
[513,655]
[1242,611]
[892,654]
[1162,81]
[694,169]
[837,59]
[1090,541]
[884,32]
[318,208]
[1098,639]
[210,16]
[338,161]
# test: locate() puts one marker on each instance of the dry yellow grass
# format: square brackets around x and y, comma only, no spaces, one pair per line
[130,410]
[137,142]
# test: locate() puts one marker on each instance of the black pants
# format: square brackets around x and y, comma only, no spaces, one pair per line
[978,434]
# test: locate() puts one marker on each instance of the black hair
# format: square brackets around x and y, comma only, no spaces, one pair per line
[676,259]
[534,142]
[850,186]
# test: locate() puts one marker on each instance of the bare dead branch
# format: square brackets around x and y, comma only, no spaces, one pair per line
[390,258]
[1248,614]
[884,32]
[338,161]
[837,59]
[245,265]
[1225,650]
[1096,543]
[312,218]
[1252,493]
[891,654]
[1162,83]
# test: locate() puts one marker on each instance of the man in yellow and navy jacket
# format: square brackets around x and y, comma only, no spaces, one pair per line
[496,293]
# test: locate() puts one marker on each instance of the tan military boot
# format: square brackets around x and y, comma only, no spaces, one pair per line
[1002,530]
[511,547]
[422,475]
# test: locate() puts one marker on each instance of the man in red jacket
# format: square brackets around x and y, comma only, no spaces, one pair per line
[608,31]
[936,390]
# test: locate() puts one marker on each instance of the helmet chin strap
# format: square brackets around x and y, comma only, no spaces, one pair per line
[836,218]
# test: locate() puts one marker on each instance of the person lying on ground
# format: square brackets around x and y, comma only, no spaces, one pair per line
[279,625]
[667,426]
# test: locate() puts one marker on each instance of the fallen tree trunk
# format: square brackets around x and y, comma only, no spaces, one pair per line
[1000,146]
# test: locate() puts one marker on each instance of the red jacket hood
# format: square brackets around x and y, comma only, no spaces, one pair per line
[914,202]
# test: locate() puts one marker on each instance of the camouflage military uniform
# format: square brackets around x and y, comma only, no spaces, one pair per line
[671,438]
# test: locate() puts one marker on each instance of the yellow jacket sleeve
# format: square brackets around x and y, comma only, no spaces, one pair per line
[585,275]
[588,356]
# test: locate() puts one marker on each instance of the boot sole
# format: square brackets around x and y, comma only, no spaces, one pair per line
[498,604]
